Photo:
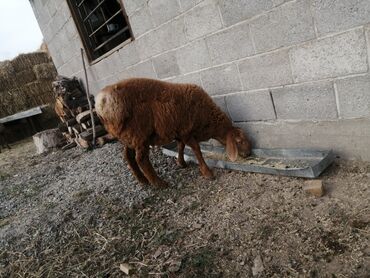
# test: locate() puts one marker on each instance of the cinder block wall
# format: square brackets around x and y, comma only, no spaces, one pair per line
[291,73]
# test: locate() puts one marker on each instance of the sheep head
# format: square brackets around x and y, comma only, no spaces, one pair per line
[237,143]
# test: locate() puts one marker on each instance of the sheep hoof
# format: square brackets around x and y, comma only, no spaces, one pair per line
[142,180]
[208,174]
[181,163]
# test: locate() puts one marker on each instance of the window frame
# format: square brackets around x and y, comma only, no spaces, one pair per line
[84,36]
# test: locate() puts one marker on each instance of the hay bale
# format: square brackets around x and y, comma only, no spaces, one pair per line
[39,92]
[39,86]
[28,96]
[45,71]
[12,102]
[19,88]
[23,77]
[26,61]
[7,76]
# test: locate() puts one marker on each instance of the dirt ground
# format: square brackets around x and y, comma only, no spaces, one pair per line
[82,214]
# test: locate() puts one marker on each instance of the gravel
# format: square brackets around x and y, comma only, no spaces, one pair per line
[82,213]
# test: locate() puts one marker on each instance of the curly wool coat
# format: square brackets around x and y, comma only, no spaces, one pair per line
[141,112]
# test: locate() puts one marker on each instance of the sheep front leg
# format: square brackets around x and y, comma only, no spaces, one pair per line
[206,172]
[130,158]
[180,159]
[142,159]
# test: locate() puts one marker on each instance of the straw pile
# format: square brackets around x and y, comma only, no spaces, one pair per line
[25,82]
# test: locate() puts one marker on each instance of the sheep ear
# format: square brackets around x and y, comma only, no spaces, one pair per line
[231,148]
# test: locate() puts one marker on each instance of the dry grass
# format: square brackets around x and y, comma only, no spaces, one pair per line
[199,229]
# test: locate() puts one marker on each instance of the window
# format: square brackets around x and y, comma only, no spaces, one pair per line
[102,25]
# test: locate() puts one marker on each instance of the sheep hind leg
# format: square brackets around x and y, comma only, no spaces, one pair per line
[180,158]
[130,158]
[142,159]
[206,172]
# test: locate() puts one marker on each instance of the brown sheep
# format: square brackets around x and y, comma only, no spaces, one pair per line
[142,112]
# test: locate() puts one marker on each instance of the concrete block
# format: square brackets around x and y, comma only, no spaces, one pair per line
[313,101]
[147,45]
[107,66]
[71,29]
[40,12]
[76,64]
[70,49]
[334,16]
[188,4]
[65,70]
[234,11]
[113,63]
[220,102]
[167,37]
[62,7]
[286,25]
[193,56]
[202,20]
[367,38]
[132,5]
[108,81]
[144,69]
[171,34]
[141,21]
[54,50]
[192,78]
[221,80]
[279,2]
[47,32]
[251,106]
[231,44]
[166,65]
[57,59]
[330,57]
[354,96]
[128,55]
[58,21]
[163,10]
[51,7]
[266,71]
[347,138]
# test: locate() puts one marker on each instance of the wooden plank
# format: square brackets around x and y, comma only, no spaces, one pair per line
[88,134]
[71,122]
[76,129]
[69,146]
[83,143]
[83,116]
[85,126]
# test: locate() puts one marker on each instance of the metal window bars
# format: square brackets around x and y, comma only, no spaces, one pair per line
[102,24]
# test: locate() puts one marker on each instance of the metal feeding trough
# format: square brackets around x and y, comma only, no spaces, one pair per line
[284,162]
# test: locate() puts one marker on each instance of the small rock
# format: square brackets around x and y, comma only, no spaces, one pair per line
[257,266]
[197,226]
[125,268]
[314,187]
